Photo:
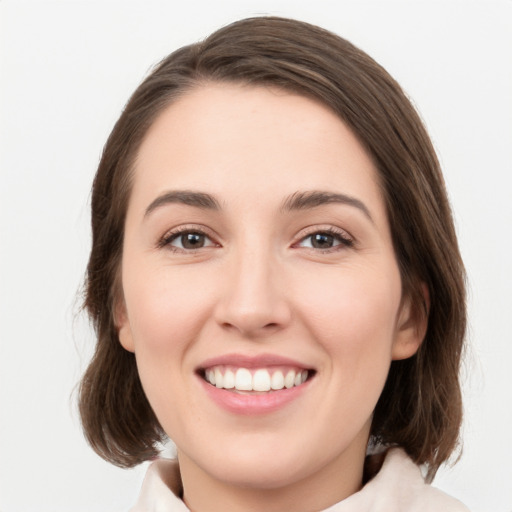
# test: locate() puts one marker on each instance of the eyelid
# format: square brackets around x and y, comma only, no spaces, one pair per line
[346,239]
[173,233]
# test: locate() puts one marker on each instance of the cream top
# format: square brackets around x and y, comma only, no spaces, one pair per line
[398,487]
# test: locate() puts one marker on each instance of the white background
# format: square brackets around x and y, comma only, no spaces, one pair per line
[67,68]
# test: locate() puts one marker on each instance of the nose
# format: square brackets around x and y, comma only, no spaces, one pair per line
[254,302]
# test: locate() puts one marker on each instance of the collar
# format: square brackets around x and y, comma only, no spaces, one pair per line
[398,486]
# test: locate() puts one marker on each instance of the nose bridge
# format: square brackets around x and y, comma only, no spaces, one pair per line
[253,301]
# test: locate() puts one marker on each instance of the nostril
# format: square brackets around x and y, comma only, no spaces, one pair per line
[269,326]
[227,325]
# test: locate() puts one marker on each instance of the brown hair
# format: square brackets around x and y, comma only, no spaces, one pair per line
[420,408]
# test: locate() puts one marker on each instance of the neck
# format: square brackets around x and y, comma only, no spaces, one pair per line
[318,490]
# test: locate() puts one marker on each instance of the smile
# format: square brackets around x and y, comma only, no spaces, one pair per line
[255,379]
[254,385]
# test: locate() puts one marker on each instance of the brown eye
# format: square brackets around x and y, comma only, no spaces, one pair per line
[326,240]
[192,240]
[322,241]
[189,240]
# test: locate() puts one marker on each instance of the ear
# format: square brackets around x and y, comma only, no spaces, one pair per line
[124,330]
[411,326]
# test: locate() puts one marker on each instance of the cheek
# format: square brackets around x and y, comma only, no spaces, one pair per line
[353,314]
[165,310]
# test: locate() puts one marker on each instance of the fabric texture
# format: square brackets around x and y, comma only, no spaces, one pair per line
[398,487]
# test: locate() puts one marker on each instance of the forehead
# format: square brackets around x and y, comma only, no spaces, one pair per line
[238,141]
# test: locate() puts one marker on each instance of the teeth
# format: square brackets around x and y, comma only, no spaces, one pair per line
[219,379]
[243,380]
[277,381]
[289,380]
[260,380]
[229,380]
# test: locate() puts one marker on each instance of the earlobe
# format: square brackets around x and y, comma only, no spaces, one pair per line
[124,331]
[411,326]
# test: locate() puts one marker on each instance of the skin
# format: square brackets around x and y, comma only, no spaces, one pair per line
[259,285]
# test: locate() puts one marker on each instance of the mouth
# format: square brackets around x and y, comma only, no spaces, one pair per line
[255,380]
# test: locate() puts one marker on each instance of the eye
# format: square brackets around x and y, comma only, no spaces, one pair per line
[326,240]
[187,240]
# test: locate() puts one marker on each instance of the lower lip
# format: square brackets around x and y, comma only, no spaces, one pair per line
[253,404]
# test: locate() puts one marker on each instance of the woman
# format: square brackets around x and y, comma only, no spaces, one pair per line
[275,282]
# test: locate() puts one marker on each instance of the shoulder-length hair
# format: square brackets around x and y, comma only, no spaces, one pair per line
[420,407]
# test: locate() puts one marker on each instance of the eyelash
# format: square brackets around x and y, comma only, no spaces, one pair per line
[173,235]
[345,241]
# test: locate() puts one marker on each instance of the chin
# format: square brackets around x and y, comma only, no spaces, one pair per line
[271,473]
[267,462]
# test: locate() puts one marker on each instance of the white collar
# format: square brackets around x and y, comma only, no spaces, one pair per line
[399,487]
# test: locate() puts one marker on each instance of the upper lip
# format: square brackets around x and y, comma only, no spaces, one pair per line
[252,361]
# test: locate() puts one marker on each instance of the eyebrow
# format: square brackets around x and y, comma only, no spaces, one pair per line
[297,201]
[187,197]
[316,198]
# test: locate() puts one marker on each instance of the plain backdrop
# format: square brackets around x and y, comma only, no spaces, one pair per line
[67,68]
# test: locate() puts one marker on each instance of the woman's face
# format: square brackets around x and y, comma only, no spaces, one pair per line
[258,254]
